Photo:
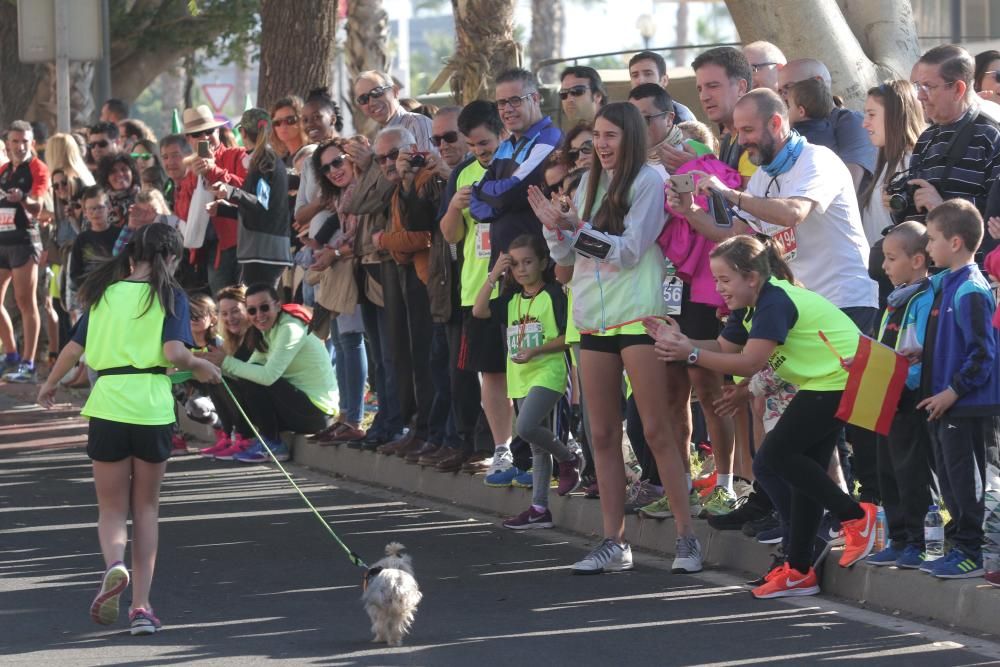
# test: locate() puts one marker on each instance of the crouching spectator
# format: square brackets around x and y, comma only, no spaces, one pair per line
[287,384]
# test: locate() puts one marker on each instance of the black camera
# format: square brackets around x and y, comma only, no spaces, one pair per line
[418,160]
[900,193]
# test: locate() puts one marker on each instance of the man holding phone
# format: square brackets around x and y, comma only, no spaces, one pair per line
[214,163]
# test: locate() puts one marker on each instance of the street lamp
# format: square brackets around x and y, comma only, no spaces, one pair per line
[647,28]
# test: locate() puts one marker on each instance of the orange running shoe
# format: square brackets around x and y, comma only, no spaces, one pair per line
[787,582]
[859,536]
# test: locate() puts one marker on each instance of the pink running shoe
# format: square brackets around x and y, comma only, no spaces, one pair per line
[178,445]
[104,608]
[240,444]
[143,622]
[222,441]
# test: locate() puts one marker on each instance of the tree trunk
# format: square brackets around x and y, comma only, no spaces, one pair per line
[861,42]
[173,89]
[484,46]
[43,105]
[18,81]
[296,48]
[548,22]
[680,55]
[366,49]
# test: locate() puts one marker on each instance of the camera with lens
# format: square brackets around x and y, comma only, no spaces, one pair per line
[901,206]
[418,160]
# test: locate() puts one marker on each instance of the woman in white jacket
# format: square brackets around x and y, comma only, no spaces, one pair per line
[617,280]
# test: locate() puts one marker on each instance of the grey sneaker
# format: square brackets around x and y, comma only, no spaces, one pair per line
[608,556]
[687,556]
[638,495]
[24,374]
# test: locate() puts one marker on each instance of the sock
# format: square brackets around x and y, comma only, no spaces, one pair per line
[12,357]
[538,508]
[725,481]
[687,478]
[30,365]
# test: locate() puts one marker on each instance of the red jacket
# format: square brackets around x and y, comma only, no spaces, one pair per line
[228,169]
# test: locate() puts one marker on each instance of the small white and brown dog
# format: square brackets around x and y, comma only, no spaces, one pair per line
[391,595]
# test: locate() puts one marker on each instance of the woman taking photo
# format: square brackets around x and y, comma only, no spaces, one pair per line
[287,384]
[617,281]
[337,183]
[263,248]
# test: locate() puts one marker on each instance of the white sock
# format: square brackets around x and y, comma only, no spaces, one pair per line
[725,481]
[687,478]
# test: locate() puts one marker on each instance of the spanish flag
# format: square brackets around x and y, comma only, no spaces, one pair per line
[875,382]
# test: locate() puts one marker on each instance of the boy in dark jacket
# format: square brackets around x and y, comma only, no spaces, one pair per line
[960,381]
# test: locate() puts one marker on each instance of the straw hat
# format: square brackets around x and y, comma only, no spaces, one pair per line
[200,118]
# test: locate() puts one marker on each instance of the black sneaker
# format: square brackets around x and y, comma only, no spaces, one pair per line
[778,559]
[768,522]
[748,508]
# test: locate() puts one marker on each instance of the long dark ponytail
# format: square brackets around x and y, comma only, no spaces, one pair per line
[156,244]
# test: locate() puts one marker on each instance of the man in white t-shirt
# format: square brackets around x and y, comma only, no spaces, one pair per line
[802,196]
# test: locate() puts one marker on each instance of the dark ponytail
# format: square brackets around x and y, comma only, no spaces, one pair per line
[749,254]
[156,244]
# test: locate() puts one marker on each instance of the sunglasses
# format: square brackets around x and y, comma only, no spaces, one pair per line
[59,184]
[390,156]
[575,91]
[287,120]
[586,148]
[103,143]
[200,133]
[263,308]
[448,137]
[335,163]
[373,94]
[140,156]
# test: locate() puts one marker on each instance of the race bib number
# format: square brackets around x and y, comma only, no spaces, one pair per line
[523,336]
[787,244]
[483,240]
[7,219]
[673,294]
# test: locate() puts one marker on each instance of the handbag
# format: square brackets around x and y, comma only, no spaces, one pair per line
[337,287]
[198,218]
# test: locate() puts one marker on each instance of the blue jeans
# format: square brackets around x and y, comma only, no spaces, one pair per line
[441,425]
[388,421]
[351,366]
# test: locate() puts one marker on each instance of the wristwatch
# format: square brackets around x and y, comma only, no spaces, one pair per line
[693,357]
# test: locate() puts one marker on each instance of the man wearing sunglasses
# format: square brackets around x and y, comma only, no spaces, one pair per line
[656,107]
[376,97]
[226,165]
[581,93]
[500,198]
[103,139]
[24,181]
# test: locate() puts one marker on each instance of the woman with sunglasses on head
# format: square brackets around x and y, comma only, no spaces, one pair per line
[287,384]
[617,280]
[262,246]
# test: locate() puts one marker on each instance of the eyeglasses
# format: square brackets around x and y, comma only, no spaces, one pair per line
[103,143]
[390,156]
[335,163]
[96,209]
[586,148]
[759,66]
[140,156]
[513,102]
[928,89]
[287,120]
[200,133]
[449,137]
[373,94]
[650,117]
[575,91]
[264,308]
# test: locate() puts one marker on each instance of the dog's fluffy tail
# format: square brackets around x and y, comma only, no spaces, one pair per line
[394,549]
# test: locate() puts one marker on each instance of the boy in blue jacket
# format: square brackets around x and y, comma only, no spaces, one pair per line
[905,460]
[960,382]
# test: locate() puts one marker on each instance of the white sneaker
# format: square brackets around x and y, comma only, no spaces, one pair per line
[687,556]
[502,460]
[608,556]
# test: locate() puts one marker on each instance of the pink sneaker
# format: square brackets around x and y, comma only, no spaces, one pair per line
[569,477]
[221,442]
[240,444]
[178,445]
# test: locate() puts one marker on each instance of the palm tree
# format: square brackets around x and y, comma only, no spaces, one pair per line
[484,46]
[548,23]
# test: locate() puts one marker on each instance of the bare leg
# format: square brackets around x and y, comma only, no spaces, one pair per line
[52,326]
[498,408]
[742,461]
[678,405]
[708,386]
[836,473]
[601,373]
[146,481]
[25,279]
[112,482]
[6,326]
[649,386]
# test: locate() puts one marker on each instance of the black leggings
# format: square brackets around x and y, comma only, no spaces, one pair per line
[229,416]
[252,273]
[280,407]
[797,453]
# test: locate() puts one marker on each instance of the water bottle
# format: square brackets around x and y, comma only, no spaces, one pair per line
[880,529]
[933,534]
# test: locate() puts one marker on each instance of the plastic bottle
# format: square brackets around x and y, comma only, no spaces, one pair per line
[933,534]
[880,529]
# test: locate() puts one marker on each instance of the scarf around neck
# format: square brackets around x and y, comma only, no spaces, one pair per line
[786,157]
[674,138]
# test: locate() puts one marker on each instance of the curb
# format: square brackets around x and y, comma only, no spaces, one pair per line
[970,605]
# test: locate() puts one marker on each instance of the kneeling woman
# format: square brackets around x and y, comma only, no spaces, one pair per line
[287,384]
[774,322]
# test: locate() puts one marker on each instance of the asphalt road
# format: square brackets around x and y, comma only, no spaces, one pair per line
[246,576]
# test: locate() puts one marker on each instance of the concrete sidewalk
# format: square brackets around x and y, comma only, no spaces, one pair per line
[969,605]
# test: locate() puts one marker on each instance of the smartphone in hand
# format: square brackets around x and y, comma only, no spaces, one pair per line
[204,150]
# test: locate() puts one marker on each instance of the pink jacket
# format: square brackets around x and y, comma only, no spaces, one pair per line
[686,248]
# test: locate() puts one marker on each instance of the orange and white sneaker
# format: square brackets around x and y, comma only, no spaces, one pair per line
[787,582]
[859,536]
